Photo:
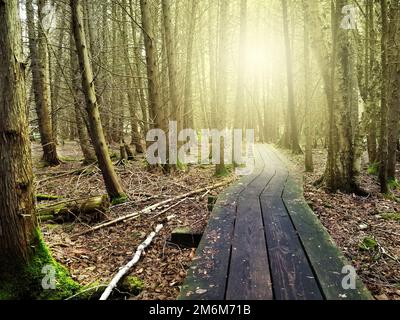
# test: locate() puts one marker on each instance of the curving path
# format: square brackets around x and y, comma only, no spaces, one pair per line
[263,242]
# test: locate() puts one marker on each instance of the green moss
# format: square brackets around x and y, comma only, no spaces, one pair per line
[28,283]
[395,216]
[122,198]
[373,169]
[224,171]
[132,285]
[368,244]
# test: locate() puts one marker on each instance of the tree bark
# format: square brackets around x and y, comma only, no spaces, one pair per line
[394,88]
[220,120]
[188,103]
[40,75]
[83,135]
[337,69]
[383,143]
[309,165]
[176,109]
[113,185]
[292,128]
[17,208]
[92,209]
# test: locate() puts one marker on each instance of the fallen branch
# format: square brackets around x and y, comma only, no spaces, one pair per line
[153,207]
[93,209]
[160,213]
[124,270]
[67,173]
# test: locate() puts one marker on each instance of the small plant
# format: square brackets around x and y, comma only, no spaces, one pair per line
[394,184]
[373,169]
[368,244]
[395,216]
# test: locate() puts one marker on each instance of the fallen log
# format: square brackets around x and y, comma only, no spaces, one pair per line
[153,207]
[90,210]
[47,197]
[123,271]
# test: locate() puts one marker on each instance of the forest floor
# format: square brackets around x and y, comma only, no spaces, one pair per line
[96,257]
[367,229]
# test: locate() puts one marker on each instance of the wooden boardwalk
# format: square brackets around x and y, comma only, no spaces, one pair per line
[263,242]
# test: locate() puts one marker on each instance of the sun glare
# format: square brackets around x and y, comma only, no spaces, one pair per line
[261,57]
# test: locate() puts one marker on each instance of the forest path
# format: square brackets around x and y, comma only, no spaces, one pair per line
[263,242]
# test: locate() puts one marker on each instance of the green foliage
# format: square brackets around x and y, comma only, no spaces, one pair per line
[394,184]
[368,244]
[395,216]
[122,198]
[27,283]
[373,169]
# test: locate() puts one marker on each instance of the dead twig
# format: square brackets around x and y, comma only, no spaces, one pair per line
[153,207]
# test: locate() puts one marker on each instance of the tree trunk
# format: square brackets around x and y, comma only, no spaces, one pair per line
[221,99]
[383,143]
[337,69]
[84,140]
[188,103]
[55,93]
[111,180]
[309,165]
[17,208]
[291,130]
[40,75]
[137,140]
[240,90]
[394,88]
[176,113]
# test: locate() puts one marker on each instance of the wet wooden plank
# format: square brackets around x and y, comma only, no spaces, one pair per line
[249,277]
[207,277]
[291,274]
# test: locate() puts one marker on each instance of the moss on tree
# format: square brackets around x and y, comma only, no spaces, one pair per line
[26,283]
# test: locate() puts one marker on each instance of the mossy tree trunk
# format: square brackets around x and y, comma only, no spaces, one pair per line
[17,207]
[111,180]
[338,73]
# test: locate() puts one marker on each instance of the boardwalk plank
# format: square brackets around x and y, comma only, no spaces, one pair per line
[292,276]
[249,277]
